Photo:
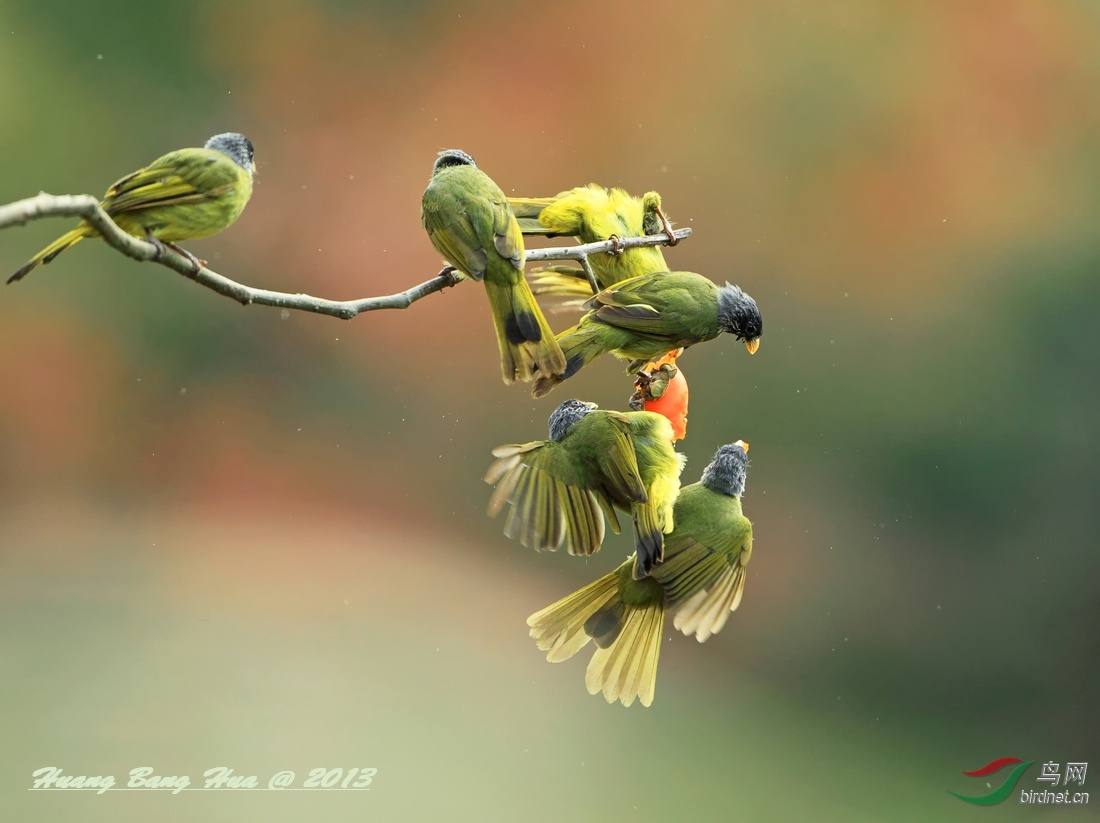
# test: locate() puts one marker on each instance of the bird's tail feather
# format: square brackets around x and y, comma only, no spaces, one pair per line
[580,345]
[529,207]
[626,668]
[625,618]
[532,226]
[528,211]
[559,629]
[527,344]
[649,538]
[51,251]
[562,281]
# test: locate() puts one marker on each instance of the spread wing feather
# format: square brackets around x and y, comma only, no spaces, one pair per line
[703,584]
[551,506]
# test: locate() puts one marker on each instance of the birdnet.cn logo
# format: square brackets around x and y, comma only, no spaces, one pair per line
[1051,773]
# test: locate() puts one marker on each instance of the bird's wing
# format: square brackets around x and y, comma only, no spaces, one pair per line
[453,234]
[640,304]
[186,176]
[646,289]
[703,583]
[639,318]
[625,310]
[552,502]
[507,238]
[619,463]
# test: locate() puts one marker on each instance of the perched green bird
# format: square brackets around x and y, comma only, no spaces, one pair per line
[470,223]
[183,195]
[594,214]
[560,489]
[646,317]
[700,582]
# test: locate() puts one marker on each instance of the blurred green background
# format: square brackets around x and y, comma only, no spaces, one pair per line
[230,537]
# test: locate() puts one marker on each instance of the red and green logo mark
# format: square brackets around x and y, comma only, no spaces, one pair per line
[1002,791]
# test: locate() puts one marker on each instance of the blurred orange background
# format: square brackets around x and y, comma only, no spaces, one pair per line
[235,536]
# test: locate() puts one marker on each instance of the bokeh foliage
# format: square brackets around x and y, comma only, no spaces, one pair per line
[228,535]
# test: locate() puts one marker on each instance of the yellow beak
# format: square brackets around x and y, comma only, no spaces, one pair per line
[752,345]
[743,445]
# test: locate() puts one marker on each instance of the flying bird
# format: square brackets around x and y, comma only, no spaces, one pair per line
[561,489]
[699,583]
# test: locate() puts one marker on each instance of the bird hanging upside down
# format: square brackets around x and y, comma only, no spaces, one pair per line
[595,214]
[561,489]
[699,583]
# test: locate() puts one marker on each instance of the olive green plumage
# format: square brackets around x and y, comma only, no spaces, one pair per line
[184,195]
[700,582]
[644,318]
[470,223]
[594,214]
[561,489]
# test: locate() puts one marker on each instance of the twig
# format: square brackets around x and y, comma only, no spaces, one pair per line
[604,246]
[590,273]
[83,205]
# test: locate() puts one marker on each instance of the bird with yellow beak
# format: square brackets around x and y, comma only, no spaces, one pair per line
[646,317]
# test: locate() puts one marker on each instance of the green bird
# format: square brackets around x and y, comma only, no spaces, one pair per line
[699,583]
[561,489]
[184,195]
[470,223]
[594,214]
[644,318]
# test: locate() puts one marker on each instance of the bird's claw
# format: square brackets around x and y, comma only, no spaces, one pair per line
[672,238]
[196,264]
[162,247]
[157,244]
[641,391]
[651,385]
[616,247]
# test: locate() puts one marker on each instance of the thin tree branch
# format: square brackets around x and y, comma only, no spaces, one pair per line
[22,212]
[604,246]
[590,273]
